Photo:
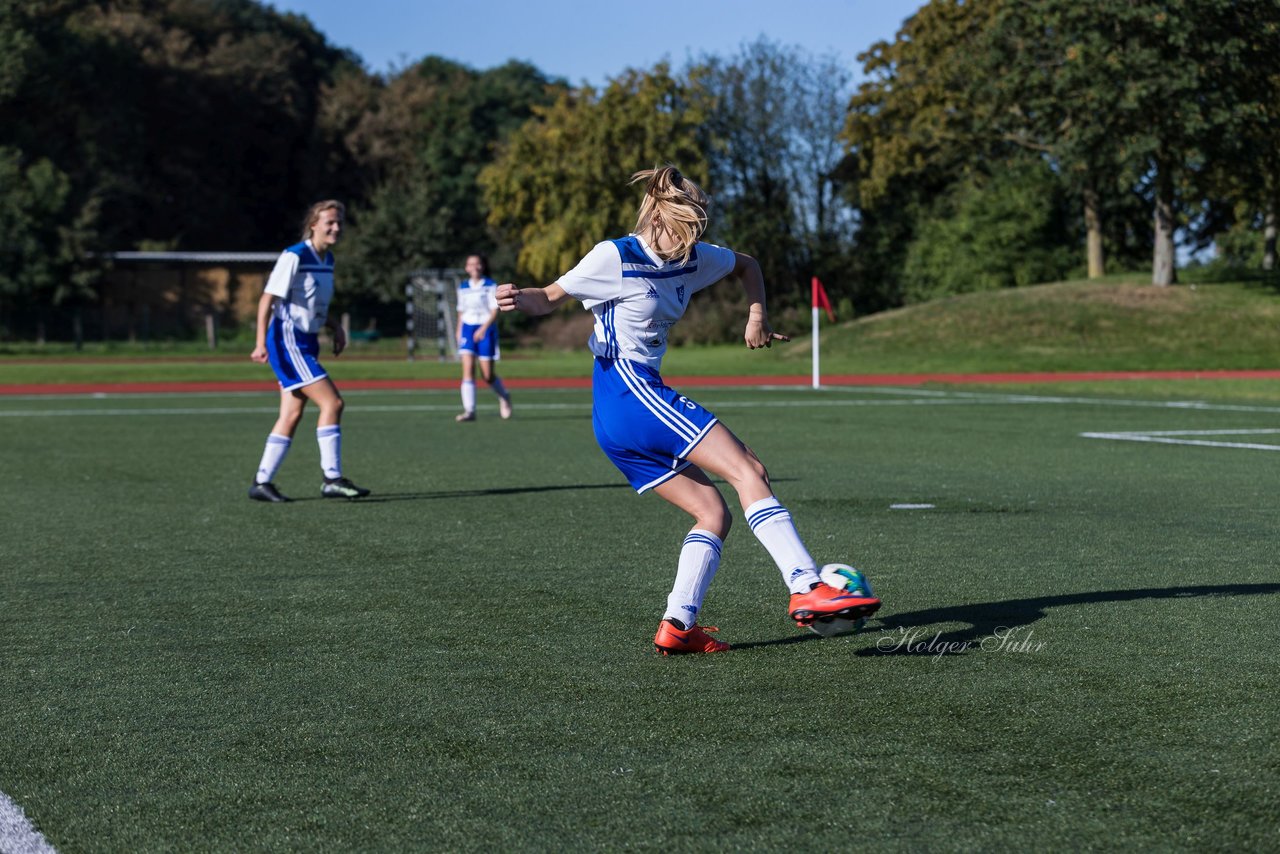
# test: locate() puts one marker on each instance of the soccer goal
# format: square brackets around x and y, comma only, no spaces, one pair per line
[431,311]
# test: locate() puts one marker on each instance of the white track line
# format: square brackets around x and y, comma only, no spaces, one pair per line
[17,834]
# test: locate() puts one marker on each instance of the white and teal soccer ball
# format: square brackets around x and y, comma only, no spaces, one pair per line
[841,576]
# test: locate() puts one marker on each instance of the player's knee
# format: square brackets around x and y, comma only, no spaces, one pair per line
[749,469]
[716,518]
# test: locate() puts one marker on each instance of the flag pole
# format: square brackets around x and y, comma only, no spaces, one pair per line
[820,300]
[817,382]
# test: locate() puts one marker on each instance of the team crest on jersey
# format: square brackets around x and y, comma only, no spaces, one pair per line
[680,294]
[652,293]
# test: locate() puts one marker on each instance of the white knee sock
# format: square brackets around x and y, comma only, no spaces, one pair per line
[330,441]
[771,523]
[468,395]
[699,559]
[272,457]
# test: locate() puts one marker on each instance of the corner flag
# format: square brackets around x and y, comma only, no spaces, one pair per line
[820,300]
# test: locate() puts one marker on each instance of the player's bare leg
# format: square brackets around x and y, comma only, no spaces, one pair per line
[723,454]
[692,491]
[329,436]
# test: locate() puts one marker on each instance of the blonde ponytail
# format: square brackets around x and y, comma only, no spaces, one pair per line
[677,203]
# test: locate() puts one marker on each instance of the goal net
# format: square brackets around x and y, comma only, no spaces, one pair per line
[430,312]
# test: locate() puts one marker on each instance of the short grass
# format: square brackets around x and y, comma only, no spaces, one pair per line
[1076,650]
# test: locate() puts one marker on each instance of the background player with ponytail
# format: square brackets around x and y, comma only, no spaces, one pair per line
[477,336]
[293,309]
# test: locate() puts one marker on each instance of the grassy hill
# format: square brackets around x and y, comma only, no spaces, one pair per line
[1116,324]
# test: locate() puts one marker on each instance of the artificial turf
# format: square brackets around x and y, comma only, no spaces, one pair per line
[1076,648]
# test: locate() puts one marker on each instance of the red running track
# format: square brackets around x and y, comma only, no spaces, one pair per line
[585,382]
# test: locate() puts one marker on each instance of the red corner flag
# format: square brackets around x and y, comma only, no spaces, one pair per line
[820,299]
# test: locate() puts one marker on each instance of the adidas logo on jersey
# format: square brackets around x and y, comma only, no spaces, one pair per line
[652,293]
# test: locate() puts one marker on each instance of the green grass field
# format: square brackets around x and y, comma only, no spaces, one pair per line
[1077,648]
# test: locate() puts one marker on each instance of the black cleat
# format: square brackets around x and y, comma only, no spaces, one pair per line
[340,487]
[266,492]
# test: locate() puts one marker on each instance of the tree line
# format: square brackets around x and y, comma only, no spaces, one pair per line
[993,143]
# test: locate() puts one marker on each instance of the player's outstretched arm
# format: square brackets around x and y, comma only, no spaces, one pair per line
[758,332]
[531,301]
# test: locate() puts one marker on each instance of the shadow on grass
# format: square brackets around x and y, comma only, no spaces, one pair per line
[909,633]
[383,497]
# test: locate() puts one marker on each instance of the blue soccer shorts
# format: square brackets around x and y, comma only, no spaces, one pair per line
[293,355]
[645,427]
[485,348]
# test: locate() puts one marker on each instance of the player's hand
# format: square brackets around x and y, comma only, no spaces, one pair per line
[259,354]
[479,334]
[339,340]
[759,334]
[508,297]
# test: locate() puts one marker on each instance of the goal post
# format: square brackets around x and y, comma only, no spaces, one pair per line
[431,311]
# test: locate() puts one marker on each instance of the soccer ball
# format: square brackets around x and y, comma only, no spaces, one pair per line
[841,576]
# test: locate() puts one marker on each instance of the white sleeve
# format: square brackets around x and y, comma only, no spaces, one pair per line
[598,276]
[491,295]
[714,263]
[282,275]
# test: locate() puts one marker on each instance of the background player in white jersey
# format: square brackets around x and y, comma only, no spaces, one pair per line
[477,336]
[638,287]
[293,309]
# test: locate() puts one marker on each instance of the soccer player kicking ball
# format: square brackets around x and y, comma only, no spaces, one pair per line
[293,309]
[638,287]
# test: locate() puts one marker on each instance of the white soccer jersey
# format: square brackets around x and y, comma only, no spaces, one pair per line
[304,283]
[637,297]
[477,301]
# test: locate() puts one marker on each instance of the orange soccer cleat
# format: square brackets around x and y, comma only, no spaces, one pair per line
[824,600]
[673,640]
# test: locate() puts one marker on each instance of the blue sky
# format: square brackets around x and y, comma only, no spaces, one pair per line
[586,41]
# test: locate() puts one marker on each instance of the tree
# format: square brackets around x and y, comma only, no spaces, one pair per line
[1243,177]
[1114,94]
[559,185]
[772,136]
[42,253]
[1010,229]
[429,132]
[191,124]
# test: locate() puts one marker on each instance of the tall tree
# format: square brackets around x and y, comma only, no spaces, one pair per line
[187,124]
[1115,95]
[772,136]
[559,185]
[430,131]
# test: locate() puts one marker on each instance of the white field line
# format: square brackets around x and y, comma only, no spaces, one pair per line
[17,834]
[450,407]
[1176,437]
[887,396]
